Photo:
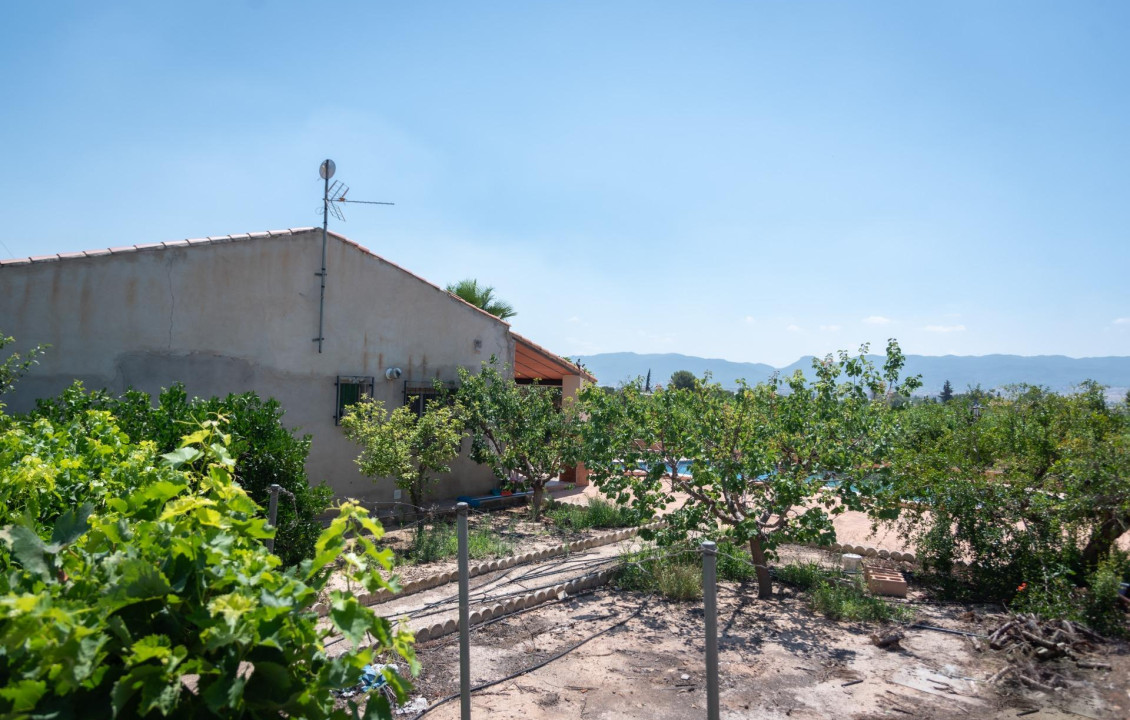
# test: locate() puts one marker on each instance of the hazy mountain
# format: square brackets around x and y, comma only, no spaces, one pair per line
[989,371]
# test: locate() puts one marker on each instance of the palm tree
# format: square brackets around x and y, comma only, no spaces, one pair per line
[482,296]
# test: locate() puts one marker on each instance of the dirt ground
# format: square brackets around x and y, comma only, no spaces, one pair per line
[777,660]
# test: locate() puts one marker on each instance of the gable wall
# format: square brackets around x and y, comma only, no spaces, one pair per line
[239,316]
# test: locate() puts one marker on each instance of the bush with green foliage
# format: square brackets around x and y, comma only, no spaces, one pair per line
[266,451]
[412,449]
[843,599]
[803,576]
[439,541]
[1030,491]
[676,572]
[597,513]
[15,365]
[133,585]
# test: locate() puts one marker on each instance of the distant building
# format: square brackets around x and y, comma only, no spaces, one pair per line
[241,312]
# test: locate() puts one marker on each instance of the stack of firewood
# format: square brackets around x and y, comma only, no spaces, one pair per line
[1030,643]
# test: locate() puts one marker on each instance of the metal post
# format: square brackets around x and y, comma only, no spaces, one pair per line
[322,274]
[710,606]
[273,513]
[464,617]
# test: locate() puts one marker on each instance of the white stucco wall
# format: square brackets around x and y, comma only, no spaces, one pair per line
[231,315]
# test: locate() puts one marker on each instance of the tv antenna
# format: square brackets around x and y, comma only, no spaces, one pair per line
[333,197]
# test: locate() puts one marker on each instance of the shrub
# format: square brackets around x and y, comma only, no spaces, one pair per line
[597,513]
[846,600]
[1029,491]
[674,576]
[1102,609]
[151,592]
[266,451]
[804,576]
[400,444]
[440,541]
[734,563]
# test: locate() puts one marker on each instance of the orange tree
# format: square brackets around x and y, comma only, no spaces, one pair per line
[768,464]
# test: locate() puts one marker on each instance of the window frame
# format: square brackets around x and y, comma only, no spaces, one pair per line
[365,385]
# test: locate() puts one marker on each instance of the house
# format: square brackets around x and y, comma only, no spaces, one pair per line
[248,312]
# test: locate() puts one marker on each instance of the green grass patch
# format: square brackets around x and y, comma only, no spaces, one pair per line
[440,541]
[597,514]
[839,599]
[677,577]
[734,563]
[804,576]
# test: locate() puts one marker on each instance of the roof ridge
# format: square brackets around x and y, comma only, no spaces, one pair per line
[211,240]
[219,239]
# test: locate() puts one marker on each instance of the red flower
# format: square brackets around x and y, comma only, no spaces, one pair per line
[1022,587]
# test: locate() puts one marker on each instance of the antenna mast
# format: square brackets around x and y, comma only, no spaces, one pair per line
[331,194]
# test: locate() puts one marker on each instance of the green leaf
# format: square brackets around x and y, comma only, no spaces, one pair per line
[182,456]
[224,692]
[24,694]
[156,691]
[70,526]
[351,617]
[137,581]
[378,708]
[27,548]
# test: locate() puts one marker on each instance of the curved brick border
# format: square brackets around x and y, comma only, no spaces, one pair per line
[433,581]
[513,604]
[865,551]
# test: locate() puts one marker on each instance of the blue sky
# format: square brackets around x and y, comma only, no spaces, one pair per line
[747,180]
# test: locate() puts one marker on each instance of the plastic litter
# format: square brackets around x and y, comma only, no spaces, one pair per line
[372,678]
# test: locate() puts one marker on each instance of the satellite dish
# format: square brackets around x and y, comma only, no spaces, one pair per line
[327,168]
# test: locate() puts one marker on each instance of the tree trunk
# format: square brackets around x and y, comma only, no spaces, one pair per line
[1101,541]
[764,582]
[535,500]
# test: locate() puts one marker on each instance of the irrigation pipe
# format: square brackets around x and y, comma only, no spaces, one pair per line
[539,665]
[918,626]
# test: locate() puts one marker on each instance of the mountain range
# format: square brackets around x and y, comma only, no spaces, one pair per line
[1057,372]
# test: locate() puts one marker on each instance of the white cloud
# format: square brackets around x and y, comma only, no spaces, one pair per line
[1122,321]
[830,328]
[749,320]
[574,320]
[793,328]
[944,328]
[877,320]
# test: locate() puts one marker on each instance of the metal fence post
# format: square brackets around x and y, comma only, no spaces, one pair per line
[273,513]
[710,607]
[464,617]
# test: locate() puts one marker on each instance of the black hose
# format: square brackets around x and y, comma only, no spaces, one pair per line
[538,666]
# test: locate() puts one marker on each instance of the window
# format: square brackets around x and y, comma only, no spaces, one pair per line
[419,394]
[350,390]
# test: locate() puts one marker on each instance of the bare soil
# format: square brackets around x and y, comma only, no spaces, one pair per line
[777,660]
